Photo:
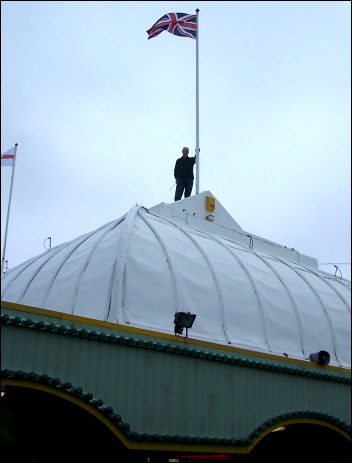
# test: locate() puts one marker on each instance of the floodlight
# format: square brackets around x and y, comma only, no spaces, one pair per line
[183,320]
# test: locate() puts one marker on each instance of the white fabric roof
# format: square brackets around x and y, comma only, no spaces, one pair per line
[192,256]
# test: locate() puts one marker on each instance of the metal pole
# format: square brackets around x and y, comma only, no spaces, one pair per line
[197,103]
[8,210]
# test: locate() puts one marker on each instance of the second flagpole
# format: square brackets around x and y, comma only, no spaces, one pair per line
[8,211]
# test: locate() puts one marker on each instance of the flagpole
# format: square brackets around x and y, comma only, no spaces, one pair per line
[8,210]
[197,103]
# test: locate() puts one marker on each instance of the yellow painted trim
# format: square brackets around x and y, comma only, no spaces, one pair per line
[67,396]
[298,421]
[173,338]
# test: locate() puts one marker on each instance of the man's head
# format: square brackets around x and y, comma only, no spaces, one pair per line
[185,151]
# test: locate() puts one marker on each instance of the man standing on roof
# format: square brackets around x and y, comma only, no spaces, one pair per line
[183,173]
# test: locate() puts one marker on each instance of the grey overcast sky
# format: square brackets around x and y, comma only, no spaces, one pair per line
[100,114]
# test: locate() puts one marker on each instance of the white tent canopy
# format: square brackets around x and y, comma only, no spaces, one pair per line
[192,256]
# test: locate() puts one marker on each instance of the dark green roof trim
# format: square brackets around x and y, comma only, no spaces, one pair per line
[140,343]
[135,436]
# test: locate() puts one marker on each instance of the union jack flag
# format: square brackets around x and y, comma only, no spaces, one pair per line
[181,24]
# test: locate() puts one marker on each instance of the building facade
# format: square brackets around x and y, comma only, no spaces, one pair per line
[96,359]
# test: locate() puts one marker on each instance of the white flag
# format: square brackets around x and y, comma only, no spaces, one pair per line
[8,158]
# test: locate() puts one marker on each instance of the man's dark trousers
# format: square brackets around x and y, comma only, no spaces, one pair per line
[183,184]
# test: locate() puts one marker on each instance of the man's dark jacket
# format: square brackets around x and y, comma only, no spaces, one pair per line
[184,167]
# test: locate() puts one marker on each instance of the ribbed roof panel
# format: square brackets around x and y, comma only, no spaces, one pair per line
[149,264]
